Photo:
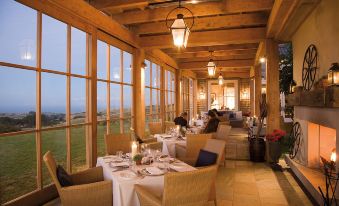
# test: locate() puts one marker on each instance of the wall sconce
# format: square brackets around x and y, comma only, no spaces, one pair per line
[245,95]
[292,87]
[262,59]
[202,94]
[333,75]
[263,90]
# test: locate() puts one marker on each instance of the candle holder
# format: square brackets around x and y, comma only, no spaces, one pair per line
[332,178]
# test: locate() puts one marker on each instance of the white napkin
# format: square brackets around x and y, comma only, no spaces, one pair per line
[154,170]
[165,136]
[118,164]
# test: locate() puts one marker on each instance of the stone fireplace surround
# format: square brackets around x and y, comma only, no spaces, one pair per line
[320,134]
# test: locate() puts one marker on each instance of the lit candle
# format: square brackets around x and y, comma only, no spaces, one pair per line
[178,129]
[134,149]
[333,156]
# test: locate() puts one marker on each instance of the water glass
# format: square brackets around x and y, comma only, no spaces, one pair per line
[119,154]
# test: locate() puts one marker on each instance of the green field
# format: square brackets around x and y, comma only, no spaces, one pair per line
[18,158]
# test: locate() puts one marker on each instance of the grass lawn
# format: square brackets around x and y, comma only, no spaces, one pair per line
[18,158]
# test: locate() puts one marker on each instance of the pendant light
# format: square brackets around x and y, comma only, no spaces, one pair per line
[211,67]
[179,29]
[220,79]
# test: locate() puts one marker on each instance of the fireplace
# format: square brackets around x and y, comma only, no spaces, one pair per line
[319,138]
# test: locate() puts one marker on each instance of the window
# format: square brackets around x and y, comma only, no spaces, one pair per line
[152,92]
[188,96]
[229,96]
[61,88]
[169,95]
[114,92]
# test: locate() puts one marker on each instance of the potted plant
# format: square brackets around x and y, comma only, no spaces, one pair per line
[274,144]
[137,159]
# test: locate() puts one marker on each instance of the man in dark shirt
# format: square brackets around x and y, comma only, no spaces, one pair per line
[181,120]
[212,124]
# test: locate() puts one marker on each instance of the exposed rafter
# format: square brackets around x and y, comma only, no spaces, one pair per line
[222,64]
[223,53]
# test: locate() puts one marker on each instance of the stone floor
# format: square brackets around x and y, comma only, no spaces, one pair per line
[242,183]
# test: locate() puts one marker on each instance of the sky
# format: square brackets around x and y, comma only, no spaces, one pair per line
[18,36]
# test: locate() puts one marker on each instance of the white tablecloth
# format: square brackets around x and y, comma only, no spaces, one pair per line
[168,144]
[123,190]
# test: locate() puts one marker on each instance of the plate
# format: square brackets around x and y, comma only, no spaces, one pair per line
[128,175]
[152,171]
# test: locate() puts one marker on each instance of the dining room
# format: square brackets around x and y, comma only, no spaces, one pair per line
[167,102]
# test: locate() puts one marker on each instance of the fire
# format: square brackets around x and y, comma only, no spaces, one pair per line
[333,155]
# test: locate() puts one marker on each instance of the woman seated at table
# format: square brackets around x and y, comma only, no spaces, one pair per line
[182,120]
[212,124]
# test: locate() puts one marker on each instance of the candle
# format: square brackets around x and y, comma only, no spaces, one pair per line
[134,149]
[333,156]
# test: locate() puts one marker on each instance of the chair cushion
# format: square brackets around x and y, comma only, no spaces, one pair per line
[64,178]
[206,158]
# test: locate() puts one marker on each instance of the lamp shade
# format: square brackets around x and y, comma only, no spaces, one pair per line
[220,79]
[333,74]
[211,68]
[180,31]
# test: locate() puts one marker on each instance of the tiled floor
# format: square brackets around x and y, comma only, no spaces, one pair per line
[242,183]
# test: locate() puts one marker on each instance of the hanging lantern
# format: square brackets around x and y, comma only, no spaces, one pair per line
[220,79]
[333,75]
[211,68]
[292,87]
[179,29]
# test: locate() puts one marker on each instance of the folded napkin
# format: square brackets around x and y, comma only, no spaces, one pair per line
[166,136]
[154,170]
[118,164]
[181,168]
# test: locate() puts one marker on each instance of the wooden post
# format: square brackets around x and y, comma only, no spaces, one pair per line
[272,86]
[252,104]
[178,92]
[257,89]
[139,92]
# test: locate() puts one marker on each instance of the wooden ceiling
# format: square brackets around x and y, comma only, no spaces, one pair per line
[232,29]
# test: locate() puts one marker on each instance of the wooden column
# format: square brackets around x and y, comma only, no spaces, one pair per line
[257,89]
[162,96]
[139,92]
[252,104]
[272,86]
[178,94]
[91,100]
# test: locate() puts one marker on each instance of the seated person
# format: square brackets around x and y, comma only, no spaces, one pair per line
[218,114]
[181,120]
[212,124]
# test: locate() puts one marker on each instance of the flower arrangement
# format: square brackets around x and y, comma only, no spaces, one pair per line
[275,136]
[137,158]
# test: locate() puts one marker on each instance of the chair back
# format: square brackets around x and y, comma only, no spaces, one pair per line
[195,142]
[216,146]
[155,128]
[117,142]
[52,167]
[188,188]
[223,132]
[169,126]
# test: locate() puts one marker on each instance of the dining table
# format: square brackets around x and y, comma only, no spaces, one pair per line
[125,176]
[169,142]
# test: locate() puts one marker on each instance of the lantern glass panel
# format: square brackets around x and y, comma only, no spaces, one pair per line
[178,29]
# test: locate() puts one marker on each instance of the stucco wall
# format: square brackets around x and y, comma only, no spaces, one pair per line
[321,28]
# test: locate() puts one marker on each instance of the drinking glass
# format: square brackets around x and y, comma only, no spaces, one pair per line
[119,154]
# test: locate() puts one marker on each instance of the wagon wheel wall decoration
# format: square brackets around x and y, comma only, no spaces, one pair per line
[295,138]
[310,66]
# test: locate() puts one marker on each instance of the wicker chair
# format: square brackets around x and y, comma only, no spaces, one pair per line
[150,141]
[169,126]
[89,189]
[216,146]
[181,189]
[195,142]
[155,128]
[117,142]
[223,132]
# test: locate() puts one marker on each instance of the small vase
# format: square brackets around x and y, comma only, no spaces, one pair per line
[274,151]
[138,162]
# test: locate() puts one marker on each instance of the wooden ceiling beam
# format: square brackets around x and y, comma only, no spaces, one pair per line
[207,23]
[220,58]
[207,54]
[201,9]
[212,48]
[207,38]
[226,63]
[225,74]
[109,5]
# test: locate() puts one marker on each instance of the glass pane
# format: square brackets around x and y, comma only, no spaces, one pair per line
[147,73]
[54,44]
[155,77]
[127,67]
[115,100]
[101,100]
[115,64]
[230,102]
[18,99]
[147,100]
[115,126]
[17,33]
[18,166]
[53,99]
[127,125]
[127,101]
[78,51]
[78,148]
[154,101]
[101,60]
[78,100]
[102,127]
[54,141]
